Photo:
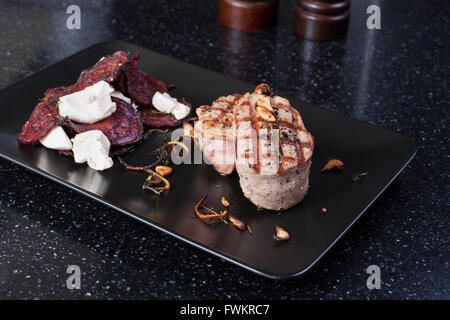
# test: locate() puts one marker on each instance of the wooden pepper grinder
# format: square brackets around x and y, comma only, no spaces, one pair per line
[248,15]
[322,20]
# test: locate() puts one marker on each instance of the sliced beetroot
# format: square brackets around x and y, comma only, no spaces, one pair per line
[155,119]
[127,77]
[152,118]
[43,119]
[140,86]
[125,126]
[122,128]
[108,69]
[56,93]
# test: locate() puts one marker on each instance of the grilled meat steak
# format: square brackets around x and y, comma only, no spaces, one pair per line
[269,143]
[214,133]
[274,150]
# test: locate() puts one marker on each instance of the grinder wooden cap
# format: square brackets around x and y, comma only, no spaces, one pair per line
[322,20]
[248,15]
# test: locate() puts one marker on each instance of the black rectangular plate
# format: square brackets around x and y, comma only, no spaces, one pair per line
[363,147]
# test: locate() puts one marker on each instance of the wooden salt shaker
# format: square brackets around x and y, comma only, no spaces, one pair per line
[248,15]
[322,20]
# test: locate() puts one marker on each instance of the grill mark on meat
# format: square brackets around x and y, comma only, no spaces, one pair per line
[281,123]
[284,138]
[296,140]
[289,158]
[221,109]
[236,125]
[268,143]
[255,128]
[277,125]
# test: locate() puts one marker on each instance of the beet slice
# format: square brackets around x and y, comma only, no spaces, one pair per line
[155,119]
[140,86]
[56,93]
[122,128]
[44,118]
[108,69]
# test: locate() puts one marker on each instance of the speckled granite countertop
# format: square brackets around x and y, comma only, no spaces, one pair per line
[396,77]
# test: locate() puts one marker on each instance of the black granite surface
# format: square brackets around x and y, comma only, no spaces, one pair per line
[396,77]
